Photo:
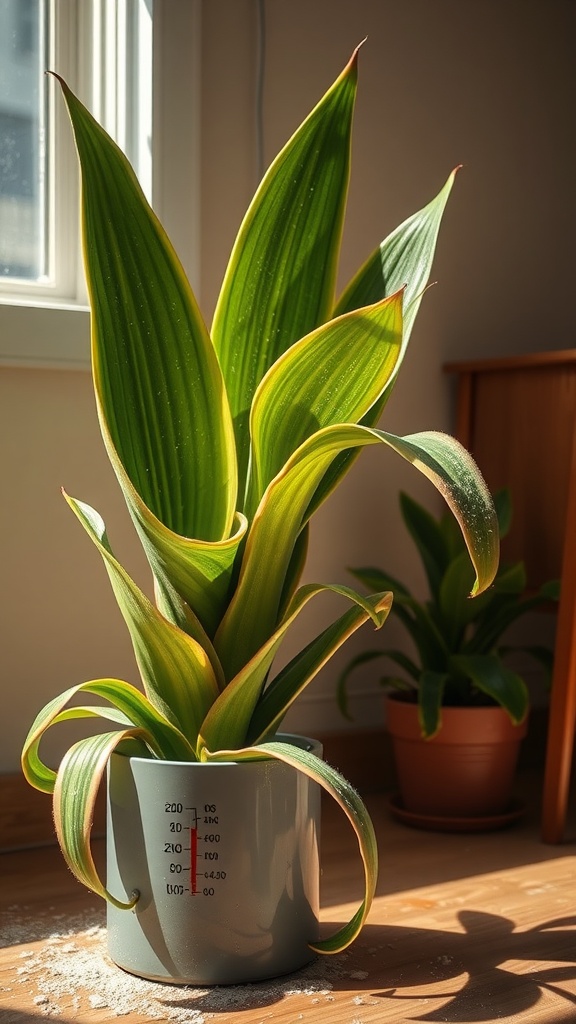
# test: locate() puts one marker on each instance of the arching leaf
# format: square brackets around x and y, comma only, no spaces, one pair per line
[331,376]
[229,718]
[348,799]
[177,674]
[128,707]
[75,792]
[252,614]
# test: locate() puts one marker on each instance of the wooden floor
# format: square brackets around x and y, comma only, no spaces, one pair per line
[465,928]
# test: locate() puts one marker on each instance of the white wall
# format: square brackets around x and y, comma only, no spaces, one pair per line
[486,83]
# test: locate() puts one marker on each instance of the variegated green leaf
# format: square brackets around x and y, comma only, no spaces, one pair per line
[403,260]
[173,607]
[75,792]
[159,387]
[199,571]
[177,674]
[331,376]
[453,471]
[283,690]
[295,568]
[253,611]
[350,802]
[129,707]
[229,717]
[279,284]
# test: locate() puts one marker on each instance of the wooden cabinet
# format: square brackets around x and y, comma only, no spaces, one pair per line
[517,416]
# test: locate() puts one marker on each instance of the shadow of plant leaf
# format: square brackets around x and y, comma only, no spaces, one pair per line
[415,959]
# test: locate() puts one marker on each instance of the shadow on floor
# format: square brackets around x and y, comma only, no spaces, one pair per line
[485,989]
[391,960]
[489,970]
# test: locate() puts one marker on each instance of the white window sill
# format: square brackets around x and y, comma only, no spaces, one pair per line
[44,334]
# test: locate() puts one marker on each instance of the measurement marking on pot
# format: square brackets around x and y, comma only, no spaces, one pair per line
[194,860]
[199,826]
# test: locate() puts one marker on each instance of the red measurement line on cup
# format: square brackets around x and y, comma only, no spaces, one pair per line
[193,860]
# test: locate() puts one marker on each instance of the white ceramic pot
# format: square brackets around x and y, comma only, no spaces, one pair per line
[225,857]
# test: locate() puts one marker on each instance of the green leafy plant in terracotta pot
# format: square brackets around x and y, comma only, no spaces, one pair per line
[456,703]
[225,442]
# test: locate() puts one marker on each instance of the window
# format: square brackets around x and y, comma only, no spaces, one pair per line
[112,53]
[22,134]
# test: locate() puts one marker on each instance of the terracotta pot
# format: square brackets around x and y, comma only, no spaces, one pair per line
[466,770]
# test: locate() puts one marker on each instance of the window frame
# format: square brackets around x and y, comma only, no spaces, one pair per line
[44,327]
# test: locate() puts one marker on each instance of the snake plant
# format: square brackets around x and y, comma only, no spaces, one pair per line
[459,659]
[224,443]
